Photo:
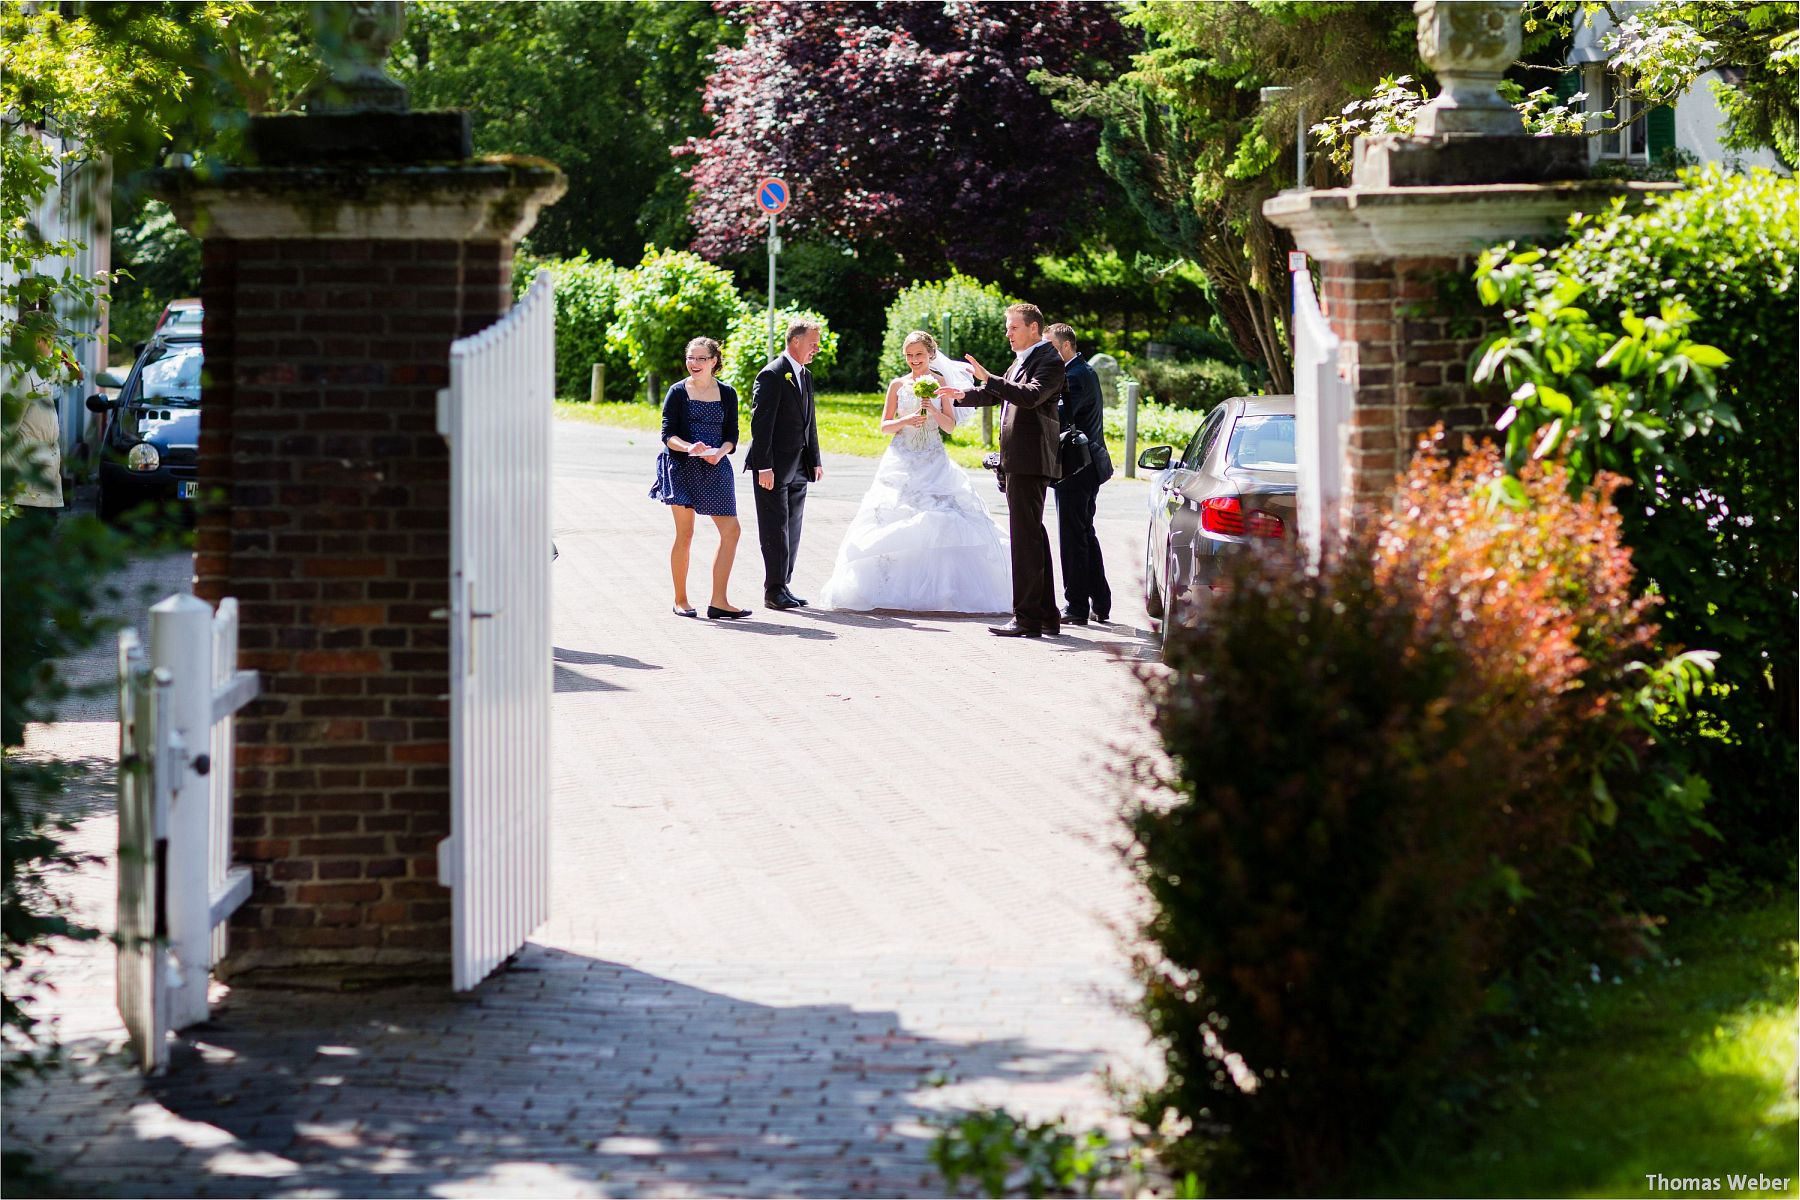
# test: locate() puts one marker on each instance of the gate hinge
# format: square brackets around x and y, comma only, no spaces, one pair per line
[446,854]
[443,412]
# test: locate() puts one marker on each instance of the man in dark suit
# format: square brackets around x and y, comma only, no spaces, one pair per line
[784,453]
[1027,394]
[1084,572]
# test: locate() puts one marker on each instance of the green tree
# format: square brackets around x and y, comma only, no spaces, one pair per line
[1187,135]
[602,90]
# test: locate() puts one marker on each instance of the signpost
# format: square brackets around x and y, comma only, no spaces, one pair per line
[772,196]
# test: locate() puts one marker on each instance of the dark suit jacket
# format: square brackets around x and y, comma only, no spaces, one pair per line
[784,429]
[1082,407]
[1029,427]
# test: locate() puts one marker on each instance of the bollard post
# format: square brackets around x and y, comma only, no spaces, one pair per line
[181,645]
[597,387]
[1131,403]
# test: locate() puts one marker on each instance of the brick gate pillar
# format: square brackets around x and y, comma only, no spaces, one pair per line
[337,271]
[1396,248]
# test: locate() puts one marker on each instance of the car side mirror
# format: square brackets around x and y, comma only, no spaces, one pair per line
[107,379]
[1156,458]
[97,403]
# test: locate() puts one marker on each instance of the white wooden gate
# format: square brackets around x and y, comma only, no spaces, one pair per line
[496,416]
[1321,412]
[177,884]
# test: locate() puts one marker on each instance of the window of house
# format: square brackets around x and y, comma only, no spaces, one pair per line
[1627,133]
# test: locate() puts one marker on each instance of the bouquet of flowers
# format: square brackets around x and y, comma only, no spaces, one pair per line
[925,389]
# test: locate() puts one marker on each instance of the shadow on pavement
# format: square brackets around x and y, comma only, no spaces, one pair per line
[564,1075]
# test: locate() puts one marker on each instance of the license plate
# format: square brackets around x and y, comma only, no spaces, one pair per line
[189,490]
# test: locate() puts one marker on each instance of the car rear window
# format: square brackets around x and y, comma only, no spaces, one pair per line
[173,376]
[1265,441]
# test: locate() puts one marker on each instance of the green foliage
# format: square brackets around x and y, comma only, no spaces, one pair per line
[1187,136]
[601,90]
[668,299]
[1670,45]
[1694,405]
[587,306]
[1003,1155]
[978,313]
[157,261]
[1378,800]
[747,347]
[1157,424]
[1190,385]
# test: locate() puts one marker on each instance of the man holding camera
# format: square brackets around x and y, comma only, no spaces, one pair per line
[1077,492]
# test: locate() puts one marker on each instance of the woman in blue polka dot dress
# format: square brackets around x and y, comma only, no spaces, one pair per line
[693,473]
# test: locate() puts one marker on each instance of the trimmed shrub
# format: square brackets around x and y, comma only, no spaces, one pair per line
[1615,334]
[1157,423]
[978,311]
[587,299]
[747,348]
[1189,385]
[1379,793]
[668,299]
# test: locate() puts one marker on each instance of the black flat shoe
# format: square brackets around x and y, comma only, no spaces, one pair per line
[779,603]
[1014,629]
[726,614]
[1069,618]
[683,612]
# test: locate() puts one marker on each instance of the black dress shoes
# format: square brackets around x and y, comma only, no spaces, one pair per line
[1014,629]
[726,614]
[1070,617]
[1103,618]
[793,599]
[780,601]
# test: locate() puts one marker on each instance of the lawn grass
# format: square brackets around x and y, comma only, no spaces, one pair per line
[1688,1070]
[849,423]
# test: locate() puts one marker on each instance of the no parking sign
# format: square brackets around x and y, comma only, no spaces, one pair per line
[772,194]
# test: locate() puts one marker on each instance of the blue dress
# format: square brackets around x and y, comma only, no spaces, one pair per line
[708,488]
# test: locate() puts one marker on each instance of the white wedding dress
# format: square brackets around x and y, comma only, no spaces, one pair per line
[921,541]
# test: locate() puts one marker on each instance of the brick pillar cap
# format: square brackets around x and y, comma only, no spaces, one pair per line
[1367,224]
[488,199]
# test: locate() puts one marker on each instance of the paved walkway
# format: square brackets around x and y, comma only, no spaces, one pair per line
[818,876]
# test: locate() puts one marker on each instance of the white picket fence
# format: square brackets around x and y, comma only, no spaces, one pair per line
[1321,417]
[177,885]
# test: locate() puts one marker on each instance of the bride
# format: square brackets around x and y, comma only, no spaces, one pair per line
[922,541]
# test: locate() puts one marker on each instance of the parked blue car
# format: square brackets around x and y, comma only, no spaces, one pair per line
[150,451]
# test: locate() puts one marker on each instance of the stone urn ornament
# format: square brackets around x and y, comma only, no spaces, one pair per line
[354,39]
[1468,44]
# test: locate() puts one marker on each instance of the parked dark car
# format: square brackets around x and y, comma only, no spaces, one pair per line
[1232,488]
[149,452]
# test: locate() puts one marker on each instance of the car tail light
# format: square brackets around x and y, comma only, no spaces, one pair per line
[1222,514]
[1268,525]
[1226,514]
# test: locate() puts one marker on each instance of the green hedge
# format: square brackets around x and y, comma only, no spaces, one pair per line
[587,301]
[668,299]
[977,309]
[1191,385]
[747,348]
[1712,518]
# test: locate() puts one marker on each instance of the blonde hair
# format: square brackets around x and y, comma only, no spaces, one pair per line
[919,337]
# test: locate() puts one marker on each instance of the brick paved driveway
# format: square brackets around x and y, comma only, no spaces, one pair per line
[817,877]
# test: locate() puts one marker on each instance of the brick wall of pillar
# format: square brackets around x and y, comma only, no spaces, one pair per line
[1412,324]
[330,524]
